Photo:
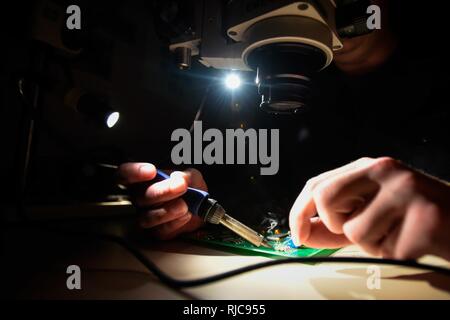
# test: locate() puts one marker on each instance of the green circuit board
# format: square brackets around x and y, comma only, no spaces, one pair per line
[282,246]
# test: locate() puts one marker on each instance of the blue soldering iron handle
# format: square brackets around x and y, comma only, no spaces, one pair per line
[193,197]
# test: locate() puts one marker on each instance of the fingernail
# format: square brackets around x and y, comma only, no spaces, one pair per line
[176,182]
[146,169]
[296,241]
[177,174]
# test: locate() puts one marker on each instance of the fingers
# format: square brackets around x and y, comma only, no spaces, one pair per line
[373,223]
[193,224]
[379,204]
[348,190]
[342,195]
[174,228]
[337,194]
[129,173]
[399,223]
[163,191]
[169,189]
[301,212]
[321,237]
[168,214]
[305,206]
[387,246]
[169,211]
[420,227]
[195,179]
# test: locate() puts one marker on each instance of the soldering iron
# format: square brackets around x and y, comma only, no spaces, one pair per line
[201,204]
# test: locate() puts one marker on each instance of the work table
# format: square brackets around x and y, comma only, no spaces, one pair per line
[37,263]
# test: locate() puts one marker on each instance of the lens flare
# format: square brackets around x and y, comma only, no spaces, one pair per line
[112,119]
[232,81]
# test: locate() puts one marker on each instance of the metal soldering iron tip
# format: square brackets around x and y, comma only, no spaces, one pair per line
[264,243]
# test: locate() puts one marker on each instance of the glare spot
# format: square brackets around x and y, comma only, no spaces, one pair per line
[112,119]
[232,81]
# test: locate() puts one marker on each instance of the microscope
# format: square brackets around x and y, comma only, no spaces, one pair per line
[285,43]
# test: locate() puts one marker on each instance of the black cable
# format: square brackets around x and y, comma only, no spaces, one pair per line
[177,284]
[199,112]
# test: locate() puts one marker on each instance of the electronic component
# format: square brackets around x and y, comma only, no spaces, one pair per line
[280,247]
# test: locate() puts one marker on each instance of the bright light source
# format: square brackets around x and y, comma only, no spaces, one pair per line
[112,119]
[232,81]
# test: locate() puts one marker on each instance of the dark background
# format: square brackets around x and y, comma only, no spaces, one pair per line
[401,110]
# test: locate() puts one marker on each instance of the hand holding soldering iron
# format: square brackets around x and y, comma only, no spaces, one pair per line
[162,211]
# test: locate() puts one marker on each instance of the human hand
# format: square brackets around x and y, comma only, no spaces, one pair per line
[380,204]
[162,211]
